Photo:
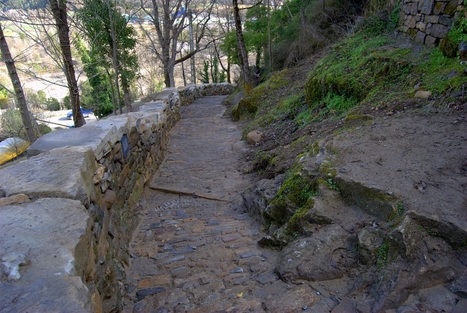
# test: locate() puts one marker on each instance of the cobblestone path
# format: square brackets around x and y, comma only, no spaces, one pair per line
[195,249]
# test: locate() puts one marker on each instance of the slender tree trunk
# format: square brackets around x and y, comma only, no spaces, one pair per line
[29,124]
[192,48]
[60,15]
[183,71]
[114,56]
[112,89]
[243,54]
[126,95]
[166,65]
[269,37]
[229,79]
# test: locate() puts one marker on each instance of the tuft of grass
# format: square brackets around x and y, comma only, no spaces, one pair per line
[382,255]
[354,69]
[364,69]
[276,110]
[440,73]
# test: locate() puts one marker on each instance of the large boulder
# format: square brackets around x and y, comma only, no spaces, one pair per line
[327,254]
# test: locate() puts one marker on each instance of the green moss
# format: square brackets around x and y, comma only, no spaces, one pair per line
[365,69]
[440,73]
[314,150]
[357,118]
[263,160]
[327,170]
[278,80]
[382,255]
[293,194]
[301,144]
[294,225]
[347,71]
[44,129]
[395,218]
[331,183]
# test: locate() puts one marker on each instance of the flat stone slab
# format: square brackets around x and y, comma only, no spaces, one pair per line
[43,249]
[427,171]
[65,173]
[102,135]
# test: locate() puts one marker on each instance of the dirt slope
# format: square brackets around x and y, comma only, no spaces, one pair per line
[387,229]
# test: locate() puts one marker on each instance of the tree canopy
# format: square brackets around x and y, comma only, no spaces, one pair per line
[23,4]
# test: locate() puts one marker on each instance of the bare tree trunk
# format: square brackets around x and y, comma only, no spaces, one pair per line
[243,53]
[225,69]
[112,89]
[29,124]
[126,95]
[168,18]
[167,67]
[183,72]
[60,15]
[269,37]
[192,48]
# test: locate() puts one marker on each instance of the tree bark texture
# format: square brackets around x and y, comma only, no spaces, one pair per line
[59,12]
[29,124]
[242,52]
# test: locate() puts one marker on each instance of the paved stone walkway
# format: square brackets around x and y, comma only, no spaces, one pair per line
[195,249]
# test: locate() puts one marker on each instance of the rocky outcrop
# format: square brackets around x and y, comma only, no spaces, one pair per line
[385,231]
[69,210]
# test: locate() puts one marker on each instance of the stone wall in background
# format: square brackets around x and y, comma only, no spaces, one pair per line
[67,212]
[428,21]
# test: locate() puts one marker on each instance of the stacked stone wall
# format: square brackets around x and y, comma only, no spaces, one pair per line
[428,21]
[191,93]
[91,179]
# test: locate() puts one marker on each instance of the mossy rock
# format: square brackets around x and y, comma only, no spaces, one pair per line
[357,119]
[295,192]
[327,169]
[250,103]
[371,200]
[448,47]
[280,210]
[297,224]
[263,160]
[44,129]
[243,108]
[315,147]
[278,80]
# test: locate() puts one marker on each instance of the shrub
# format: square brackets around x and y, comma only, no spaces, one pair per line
[67,102]
[36,99]
[52,104]
[458,33]
[12,124]
[3,99]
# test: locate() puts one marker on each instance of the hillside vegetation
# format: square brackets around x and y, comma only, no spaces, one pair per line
[370,70]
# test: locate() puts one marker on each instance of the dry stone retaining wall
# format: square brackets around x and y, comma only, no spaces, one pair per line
[428,21]
[69,210]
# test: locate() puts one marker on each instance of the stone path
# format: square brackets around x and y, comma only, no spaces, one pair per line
[195,249]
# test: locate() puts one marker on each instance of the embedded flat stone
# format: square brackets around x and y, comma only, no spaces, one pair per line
[52,235]
[53,174]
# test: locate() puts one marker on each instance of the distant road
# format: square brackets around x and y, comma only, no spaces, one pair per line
[59,117]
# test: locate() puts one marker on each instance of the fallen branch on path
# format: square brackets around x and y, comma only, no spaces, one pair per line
[187,193]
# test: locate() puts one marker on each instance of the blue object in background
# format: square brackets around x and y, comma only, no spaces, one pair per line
[85,112]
